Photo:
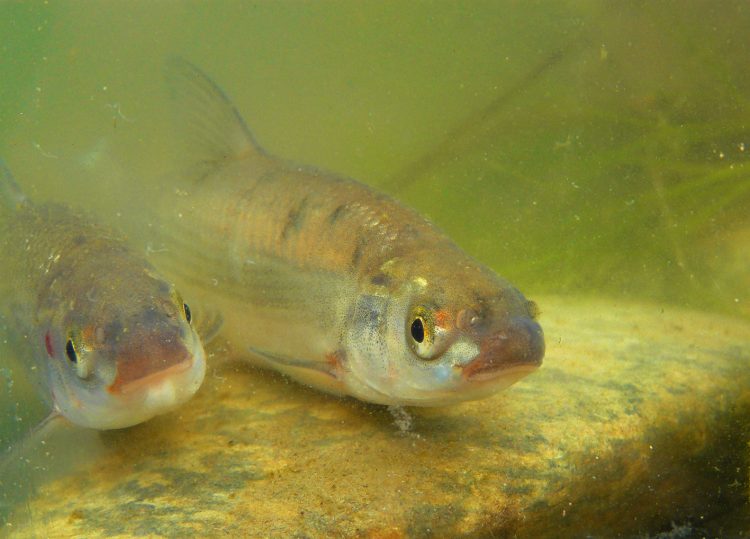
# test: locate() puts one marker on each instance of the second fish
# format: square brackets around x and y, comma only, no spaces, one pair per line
[107,339]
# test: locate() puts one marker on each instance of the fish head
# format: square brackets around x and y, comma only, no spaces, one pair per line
[123,352]
[448,338]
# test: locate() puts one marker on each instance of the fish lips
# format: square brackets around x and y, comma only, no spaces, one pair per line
[515,350]
[149,361]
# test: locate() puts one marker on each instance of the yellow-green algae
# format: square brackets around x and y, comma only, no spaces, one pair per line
[637,420]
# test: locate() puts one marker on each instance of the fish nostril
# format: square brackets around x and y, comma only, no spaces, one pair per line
[467,318]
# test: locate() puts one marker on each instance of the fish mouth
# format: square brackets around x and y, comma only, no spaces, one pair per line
[509,354]
[151,380]
[157,366]
[147,393]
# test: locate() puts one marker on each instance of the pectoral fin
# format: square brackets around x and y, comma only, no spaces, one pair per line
[36,435]
[331,367]
[207,322]
[11,195]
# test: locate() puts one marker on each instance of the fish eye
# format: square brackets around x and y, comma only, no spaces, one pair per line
[82,365]
[427,337]
[427,340]
[70,351]
[417,330]
[186,311]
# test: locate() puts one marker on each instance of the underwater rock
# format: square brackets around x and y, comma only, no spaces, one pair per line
[636,423]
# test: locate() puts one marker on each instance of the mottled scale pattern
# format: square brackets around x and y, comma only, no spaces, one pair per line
[315,220]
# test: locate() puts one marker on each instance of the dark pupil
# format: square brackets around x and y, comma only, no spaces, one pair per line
[188,314]
[71,351]
[417,330]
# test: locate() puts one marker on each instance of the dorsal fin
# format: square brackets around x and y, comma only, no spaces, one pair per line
[212,130]
[11,196]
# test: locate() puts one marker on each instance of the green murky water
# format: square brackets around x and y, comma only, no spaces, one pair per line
[579,148]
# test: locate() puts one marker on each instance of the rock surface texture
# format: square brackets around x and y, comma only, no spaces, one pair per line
[636,424]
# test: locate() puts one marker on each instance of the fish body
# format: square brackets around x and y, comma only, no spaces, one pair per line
[329,281]
[108,339]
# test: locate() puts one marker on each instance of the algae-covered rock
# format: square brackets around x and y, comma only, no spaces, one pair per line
[636,423]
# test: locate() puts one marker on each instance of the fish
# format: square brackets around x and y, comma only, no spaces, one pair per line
[326,280]
[108,340]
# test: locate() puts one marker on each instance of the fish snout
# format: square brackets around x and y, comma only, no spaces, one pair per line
[518,346]
[148,360]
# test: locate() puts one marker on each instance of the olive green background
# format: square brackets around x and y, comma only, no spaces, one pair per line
[581,149]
